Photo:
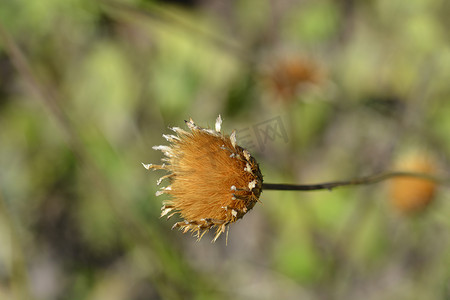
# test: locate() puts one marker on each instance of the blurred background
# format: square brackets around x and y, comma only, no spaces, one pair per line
[318,90]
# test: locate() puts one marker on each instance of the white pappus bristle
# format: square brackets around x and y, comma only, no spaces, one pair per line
[218,123]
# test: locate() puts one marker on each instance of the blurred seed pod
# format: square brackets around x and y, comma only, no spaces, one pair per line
[413,195]
[290,76]
[213,181]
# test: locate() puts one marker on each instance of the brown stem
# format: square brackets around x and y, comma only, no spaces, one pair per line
[357,181]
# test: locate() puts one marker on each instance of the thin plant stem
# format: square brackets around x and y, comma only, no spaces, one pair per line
[357,181]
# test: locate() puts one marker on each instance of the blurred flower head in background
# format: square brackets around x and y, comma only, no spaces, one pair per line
[290,76]
[413,195]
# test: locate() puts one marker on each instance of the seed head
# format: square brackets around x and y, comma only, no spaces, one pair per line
[213,181]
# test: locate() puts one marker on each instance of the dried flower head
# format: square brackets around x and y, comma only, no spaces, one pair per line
[213,181]
[412,195]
